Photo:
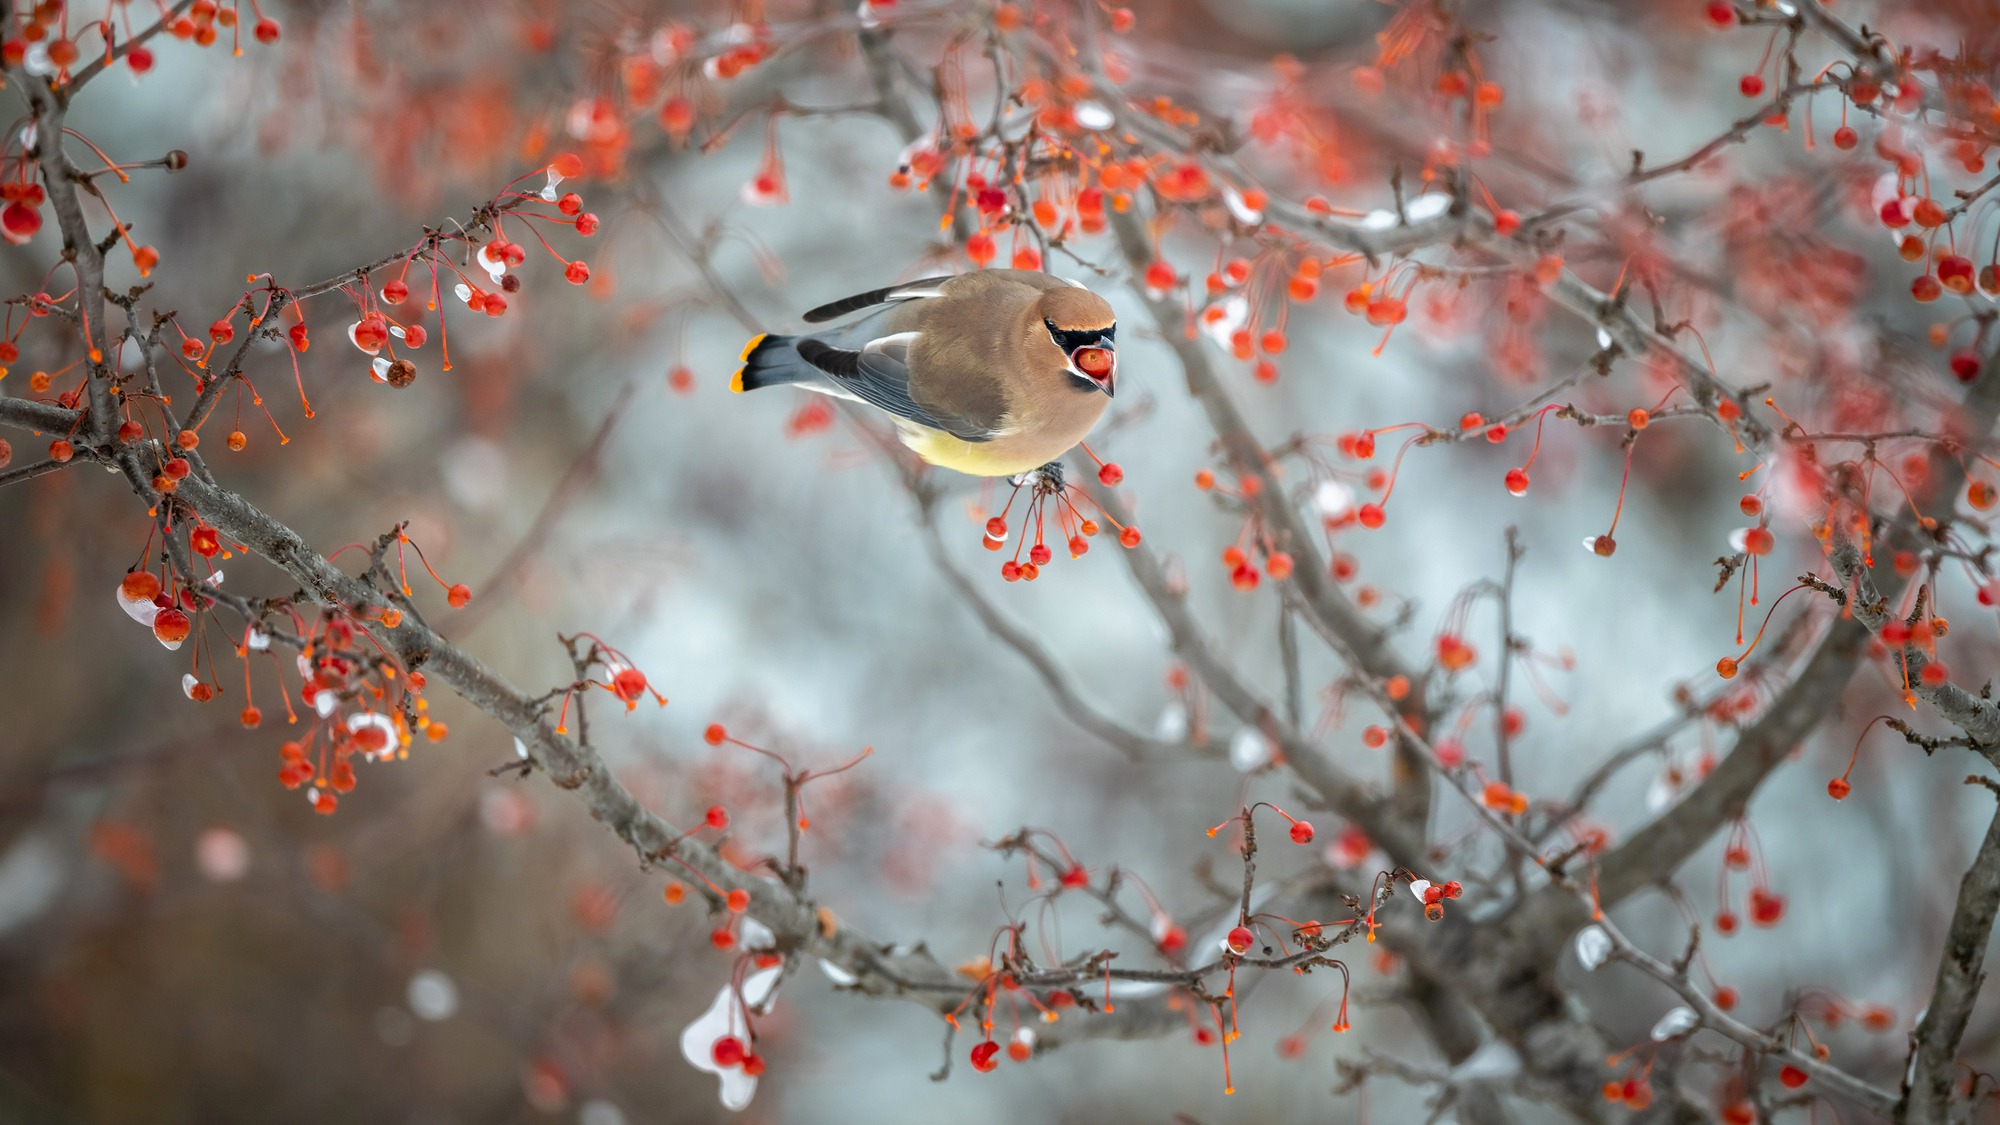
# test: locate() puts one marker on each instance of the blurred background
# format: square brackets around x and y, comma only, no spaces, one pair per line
[182,939]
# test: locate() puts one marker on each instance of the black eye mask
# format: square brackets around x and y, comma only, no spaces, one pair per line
[1070,341]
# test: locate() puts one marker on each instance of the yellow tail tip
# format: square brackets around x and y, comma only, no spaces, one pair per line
[751,347]
[736,381]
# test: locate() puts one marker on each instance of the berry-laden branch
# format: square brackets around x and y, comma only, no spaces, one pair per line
[1247,457]
[799,926]
[1709,1015]
[263,324]
[1933,1066]
[60,179]
[1313,765]
[1660,847]
[1978,718]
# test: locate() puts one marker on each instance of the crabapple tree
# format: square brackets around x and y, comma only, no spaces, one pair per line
[1479,358]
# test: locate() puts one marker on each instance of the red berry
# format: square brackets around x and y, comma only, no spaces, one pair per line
[1110,474]
[1371,516]
[1965,364]
[1241,939]
[1766,908]
[171,626]
[1954,272]
[1517,481]
[1792,1077]
[1129,537]
[140,586]
[727,1052]
[716,817]
[982,1056]
[458,595]
[1751,85]
[577,273]
[628,684]
[1302,832]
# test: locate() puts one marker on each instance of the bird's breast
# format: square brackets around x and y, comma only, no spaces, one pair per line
[1019,448]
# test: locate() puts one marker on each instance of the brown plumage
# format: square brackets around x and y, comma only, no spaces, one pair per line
[981,371]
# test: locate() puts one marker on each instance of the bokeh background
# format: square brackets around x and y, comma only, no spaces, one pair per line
[182,940]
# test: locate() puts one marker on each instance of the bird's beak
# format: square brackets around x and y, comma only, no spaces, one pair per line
[1096,363]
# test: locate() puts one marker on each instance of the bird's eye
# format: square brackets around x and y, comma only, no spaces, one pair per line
[1094,362]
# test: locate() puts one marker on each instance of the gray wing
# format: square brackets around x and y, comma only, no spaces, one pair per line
[879,374]
[925,287]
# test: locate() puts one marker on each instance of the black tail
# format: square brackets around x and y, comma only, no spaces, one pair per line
[769,361]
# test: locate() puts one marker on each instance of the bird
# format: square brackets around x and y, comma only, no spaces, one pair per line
[992,373]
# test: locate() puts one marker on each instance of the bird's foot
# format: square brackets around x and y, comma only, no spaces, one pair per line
[1046,481]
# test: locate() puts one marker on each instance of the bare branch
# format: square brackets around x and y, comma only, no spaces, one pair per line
[1928,1079]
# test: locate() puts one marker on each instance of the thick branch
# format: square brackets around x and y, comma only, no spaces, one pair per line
[1961,971]
[41,417]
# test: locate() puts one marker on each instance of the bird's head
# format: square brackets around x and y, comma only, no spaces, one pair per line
[1084,329]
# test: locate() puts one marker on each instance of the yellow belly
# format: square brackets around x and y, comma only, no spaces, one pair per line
[1002,457]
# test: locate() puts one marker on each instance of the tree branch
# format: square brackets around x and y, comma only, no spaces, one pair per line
[1927,1081]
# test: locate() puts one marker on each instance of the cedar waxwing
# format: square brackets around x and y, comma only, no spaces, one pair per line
[992,373]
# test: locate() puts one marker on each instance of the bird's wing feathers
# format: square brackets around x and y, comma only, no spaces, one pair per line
[925,287]
[879,374]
